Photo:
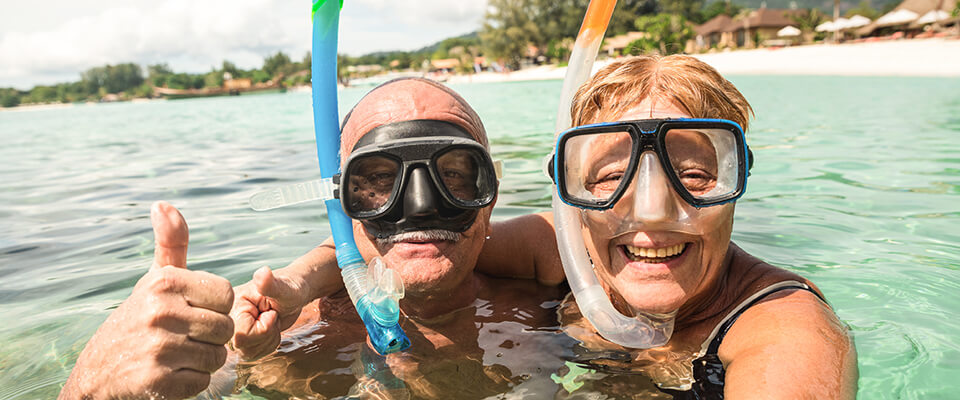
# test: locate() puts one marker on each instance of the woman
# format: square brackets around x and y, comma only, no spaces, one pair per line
[656,192]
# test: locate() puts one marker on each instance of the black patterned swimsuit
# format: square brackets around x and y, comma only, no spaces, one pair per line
[708,370]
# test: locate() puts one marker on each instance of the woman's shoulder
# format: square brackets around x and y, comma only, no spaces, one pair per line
[751,274]
[790,336]
[774,305]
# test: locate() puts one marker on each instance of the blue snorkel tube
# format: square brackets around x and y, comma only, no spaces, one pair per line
[376,291]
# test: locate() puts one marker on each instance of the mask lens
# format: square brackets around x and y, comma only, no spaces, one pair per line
[371,182]
[705,161]
[595,165]
[465,175]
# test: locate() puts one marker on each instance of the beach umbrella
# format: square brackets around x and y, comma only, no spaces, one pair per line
[824,27]
[898,17]
[788,31]
[932,16]
[841,24]
[857,21]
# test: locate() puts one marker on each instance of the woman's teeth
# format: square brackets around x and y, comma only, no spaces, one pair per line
[654,255]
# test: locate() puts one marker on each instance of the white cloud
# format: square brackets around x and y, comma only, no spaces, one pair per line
[194,35]
[191,35]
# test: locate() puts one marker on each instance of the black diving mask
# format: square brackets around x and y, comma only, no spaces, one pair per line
[417,175]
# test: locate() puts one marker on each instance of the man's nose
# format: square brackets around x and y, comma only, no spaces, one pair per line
[420,198]
[652,198]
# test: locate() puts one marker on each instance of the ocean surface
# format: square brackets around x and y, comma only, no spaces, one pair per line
[856,186]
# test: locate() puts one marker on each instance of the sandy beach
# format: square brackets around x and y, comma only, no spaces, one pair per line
[916,57]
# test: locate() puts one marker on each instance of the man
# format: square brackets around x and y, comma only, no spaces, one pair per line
[167,338]
[427,237]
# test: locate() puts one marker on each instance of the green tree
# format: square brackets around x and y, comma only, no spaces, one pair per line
[560,49]
[213,79]
[688,9]
[158,74]
[42,94]
[716,8]
[230,68]
[625,14]
[185,81]
[123,77]
[274,64]
[9,97]
[308,61]
[665,34]
[863,9]
[807,20]
[509,28]
[260,76]
[93,79]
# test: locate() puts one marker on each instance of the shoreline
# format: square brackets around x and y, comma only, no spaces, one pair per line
[933,57]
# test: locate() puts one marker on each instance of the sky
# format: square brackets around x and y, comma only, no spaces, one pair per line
[53,41]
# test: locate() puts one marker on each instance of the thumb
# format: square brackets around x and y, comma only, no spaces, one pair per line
[269,285]
[171,234]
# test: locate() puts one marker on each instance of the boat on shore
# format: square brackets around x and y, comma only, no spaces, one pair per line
[233,87]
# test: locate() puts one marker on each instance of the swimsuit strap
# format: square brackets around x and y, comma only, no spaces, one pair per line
[716,337]
[708,371]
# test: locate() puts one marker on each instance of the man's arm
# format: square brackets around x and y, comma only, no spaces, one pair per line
[523,247]
[791,346]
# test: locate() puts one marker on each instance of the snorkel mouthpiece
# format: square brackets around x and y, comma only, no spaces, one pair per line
[377,299]
[376,292]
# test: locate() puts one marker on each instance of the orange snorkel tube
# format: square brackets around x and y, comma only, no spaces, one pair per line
[640,331]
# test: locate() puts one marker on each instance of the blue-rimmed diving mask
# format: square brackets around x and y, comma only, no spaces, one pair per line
[705,160]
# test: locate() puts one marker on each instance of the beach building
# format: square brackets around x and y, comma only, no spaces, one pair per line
[366,69]
[714,33]
[912,16]
[236,84]
[444,65]
[614,46]
[749,30]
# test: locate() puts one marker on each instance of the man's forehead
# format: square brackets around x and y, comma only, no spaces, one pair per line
[409,100]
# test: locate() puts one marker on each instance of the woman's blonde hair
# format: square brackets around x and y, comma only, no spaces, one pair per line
[689,83]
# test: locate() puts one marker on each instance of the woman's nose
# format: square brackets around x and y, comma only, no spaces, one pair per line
[652,198]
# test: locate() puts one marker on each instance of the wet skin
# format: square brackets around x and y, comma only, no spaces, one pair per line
[506,337]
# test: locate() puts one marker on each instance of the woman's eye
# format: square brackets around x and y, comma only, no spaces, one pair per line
[612,177]
[605,184]
[697,180]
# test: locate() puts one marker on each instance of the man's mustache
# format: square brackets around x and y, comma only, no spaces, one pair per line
[429,235]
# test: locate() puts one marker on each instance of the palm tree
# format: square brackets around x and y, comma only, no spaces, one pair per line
[807,22]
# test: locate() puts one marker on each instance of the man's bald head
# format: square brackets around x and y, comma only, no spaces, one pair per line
[407,99]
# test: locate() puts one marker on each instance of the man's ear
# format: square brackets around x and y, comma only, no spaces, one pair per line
[490,225]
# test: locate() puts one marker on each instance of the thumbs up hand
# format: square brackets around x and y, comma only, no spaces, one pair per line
[263,308]
[164,340]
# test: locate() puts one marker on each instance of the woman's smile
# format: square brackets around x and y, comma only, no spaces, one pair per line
[651,258]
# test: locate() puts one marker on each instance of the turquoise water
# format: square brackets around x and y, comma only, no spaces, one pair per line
[856,186]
